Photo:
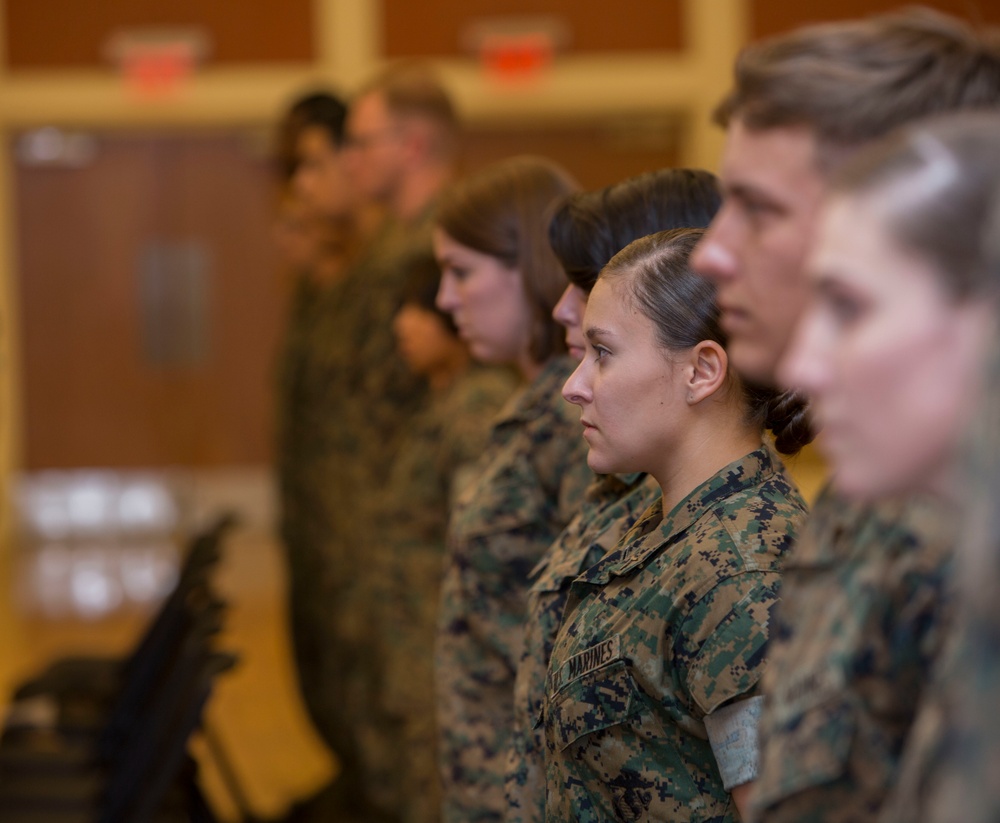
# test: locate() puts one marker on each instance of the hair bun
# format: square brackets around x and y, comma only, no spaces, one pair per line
[787,417]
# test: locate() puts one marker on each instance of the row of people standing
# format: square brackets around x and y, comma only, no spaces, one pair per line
[729,515]
[501,281]
[861,626]
[866,599]
[650,617]
[360,407]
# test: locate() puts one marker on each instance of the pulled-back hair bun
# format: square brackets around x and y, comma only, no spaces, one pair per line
[786,416]
[682,307]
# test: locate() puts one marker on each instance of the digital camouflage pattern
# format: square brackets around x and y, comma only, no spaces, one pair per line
[666,629]
[307,406]
[856,636]
[305,521]
[345,397]
[936,762]
[611,506]
[529,482]
[952,760]
[407,545]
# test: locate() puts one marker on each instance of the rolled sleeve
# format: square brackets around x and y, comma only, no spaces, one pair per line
[732,732]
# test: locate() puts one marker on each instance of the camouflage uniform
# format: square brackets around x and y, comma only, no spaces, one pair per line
[306,367]
[408,549]
[855,636]
[530,481]
[346,397]
[612,505]
[659,639]
[933,759]
[951,764]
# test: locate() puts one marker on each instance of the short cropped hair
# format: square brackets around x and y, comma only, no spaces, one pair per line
[854,81]
[413,90]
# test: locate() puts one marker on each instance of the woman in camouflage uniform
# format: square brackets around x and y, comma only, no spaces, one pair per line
[906,280]
[650,704]
[585,233]
[500,282]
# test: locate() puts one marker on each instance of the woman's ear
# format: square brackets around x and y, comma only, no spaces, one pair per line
[706,370]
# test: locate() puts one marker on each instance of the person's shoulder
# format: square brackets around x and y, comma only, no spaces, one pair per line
[733,541]
[841,530]
[755,518]
[541,405]
[772,506]
[482,387]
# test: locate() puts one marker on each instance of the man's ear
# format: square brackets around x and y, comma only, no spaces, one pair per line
[706,369]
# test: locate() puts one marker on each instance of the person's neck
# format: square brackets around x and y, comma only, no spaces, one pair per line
[529,368]
[418,189]
[711,444]
[441,377]
[342,245]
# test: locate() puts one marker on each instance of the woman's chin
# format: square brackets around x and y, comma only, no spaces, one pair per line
[600,464]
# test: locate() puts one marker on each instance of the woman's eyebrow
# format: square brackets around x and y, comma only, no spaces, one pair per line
[595,331]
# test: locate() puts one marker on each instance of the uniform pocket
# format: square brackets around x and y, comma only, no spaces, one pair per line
[595,701]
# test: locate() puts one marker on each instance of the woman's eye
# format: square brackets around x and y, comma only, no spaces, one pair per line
[600,352]
[844,309]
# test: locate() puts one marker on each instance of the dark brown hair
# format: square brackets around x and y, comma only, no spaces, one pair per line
[504,211]
[855,81]
[317,108]
[423,279]
[591,227]
[681,305]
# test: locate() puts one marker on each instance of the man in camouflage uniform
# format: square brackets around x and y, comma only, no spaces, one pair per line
[863,595]
[318,239]
[612,505]
[351,398]
[402,136]
[662,642]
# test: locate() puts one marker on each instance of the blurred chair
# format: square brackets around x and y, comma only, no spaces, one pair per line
[104,740]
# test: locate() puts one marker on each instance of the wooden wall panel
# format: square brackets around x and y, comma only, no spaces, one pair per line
[771,16]
[91,395]
[71,33]
[632,25]
[597,154]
